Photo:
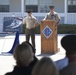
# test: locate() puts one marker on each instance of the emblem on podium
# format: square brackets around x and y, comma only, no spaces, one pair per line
[47,32]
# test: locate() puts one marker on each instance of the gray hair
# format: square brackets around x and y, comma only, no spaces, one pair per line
[45,67]
[23,54]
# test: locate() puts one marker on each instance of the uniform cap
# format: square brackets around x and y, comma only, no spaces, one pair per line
[51,7]
[29,10]
[68,42]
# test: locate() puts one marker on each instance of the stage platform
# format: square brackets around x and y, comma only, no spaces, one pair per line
[7,61]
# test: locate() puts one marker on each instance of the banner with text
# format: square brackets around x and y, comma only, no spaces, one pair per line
[12,24]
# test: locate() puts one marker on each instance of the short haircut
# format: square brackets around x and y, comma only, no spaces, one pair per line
[45,67]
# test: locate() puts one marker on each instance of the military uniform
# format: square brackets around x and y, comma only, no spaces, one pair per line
[68,42]
[54,16]
[30,22]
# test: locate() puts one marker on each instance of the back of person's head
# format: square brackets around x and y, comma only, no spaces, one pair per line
[23,54]
[33,49]
[68,42]
[45,67]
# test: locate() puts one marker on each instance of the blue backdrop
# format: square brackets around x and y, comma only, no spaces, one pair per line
[12,24]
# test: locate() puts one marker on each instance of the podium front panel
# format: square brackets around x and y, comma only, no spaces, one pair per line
[48,37]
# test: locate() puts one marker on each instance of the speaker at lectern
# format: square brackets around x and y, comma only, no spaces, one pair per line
[49,42]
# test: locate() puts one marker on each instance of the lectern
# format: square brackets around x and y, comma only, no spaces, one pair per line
[49,43]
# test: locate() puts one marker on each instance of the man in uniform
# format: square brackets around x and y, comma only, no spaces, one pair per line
[31,23]
[68,42]
[52,15]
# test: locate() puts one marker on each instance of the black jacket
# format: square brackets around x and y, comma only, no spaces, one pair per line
[20,71]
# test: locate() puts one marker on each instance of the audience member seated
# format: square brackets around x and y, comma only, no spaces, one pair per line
[59,63]
[23,55]
[45,67]
[35,58]
[68,42]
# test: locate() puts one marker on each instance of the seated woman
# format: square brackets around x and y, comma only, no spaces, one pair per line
[35,60]
[23,55]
